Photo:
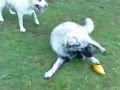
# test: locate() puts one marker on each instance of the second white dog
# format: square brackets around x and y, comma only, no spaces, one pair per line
[23,7]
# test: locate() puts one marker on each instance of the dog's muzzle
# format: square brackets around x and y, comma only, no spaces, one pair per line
[41,9]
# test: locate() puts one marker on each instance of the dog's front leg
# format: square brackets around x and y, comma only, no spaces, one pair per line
[1,17]
[1,9]
[103,51]
[55,67]
[20,18]
[35,18]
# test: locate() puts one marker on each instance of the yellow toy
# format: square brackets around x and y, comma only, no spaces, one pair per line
[98,69]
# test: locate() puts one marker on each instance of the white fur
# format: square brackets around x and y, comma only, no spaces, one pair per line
[23,7]
[63,34]
[70,33]
[57,64]
[89,26]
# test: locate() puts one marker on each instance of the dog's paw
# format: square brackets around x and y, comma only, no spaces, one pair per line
[37,22]
[13,13]
[23,30]
[1,19]
[96,62]
[48,75]
[104,52]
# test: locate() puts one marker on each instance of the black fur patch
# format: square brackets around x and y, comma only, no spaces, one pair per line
[87,51]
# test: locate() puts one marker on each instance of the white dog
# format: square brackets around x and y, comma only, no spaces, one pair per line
[23,7]
[69,40]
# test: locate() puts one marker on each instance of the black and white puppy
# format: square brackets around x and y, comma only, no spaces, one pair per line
[69,40]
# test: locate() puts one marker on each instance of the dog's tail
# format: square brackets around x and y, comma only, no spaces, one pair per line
[89,25]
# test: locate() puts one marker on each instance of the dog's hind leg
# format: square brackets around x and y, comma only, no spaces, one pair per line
[11,11]
[55,67]
[35,18]
[2,5]
[103,51]
[94,60]
[20,17]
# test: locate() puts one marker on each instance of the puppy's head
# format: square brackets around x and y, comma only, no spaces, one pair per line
[40,4]
[73,44]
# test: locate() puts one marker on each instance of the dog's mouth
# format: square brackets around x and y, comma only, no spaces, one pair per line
[41,9]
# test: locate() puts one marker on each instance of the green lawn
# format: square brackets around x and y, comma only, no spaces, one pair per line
[25,57]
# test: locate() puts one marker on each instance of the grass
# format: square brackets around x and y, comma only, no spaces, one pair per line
[25,57]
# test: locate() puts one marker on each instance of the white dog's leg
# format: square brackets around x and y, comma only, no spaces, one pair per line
[1,17]
[20,17]
[57,64]
[35,18]
[94,60]
[97,45]
[2,4]
[11,12]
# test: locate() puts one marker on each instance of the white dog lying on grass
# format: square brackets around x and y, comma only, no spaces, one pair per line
[23,7]
[69,40]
